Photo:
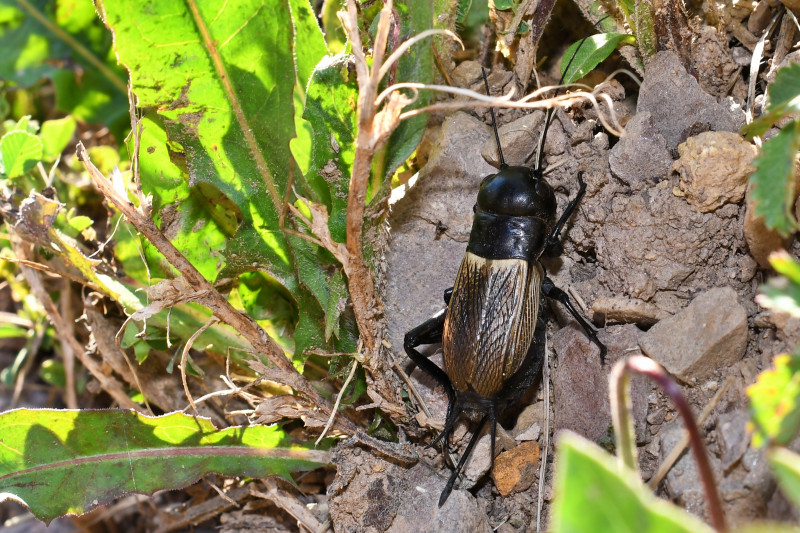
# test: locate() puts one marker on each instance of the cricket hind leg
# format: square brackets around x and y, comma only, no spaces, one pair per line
[430,332]
[460,466]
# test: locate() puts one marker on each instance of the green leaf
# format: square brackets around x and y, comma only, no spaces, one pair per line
[219,163]
[784,91]
[336,304]
[786,467]
[334,33]
[200,220]
[331,113]
[65,42]
[20,151]
[775,402]
[222,81]
[783,99]
[504,5]
[416,65]
[583,56]
[773,179]
[310,44]
[68,462]
[592,495]
[786,265]
[782,293]
[56,135]
[53,372]
[12,331]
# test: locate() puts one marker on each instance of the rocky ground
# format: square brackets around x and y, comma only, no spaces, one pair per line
[662,255]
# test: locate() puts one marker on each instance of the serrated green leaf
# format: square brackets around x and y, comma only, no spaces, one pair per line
[583,56]
[20,151]
[331,113]
[591,495]
[68,462]
[784,91]
[416,65]
[224,94]
[775,402]
[786,467]
[336,304]
[773,179]
[222,81]
[310,44]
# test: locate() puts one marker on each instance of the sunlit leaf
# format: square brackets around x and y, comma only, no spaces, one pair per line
[775,402]
[592,494]
[60,462]
[782,293]
[20,151]
[583,56]
[331,113]
[56,135]
[10,331]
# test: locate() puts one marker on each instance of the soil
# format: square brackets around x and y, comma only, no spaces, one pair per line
[662,225]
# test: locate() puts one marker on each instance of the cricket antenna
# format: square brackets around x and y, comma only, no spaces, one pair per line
[549,115]
[494,122]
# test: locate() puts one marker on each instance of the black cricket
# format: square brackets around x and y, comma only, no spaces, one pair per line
[492,331]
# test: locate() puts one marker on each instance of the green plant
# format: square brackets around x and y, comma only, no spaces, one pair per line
[266,160]
[773,181]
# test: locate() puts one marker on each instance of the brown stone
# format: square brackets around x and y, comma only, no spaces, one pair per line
[515,470]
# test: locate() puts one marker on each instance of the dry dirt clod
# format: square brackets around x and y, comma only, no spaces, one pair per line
[519,140]
[580,384]
[372,495]
[759,18]
[714,167]
[713,61]
[707,336]
[626,311]
[678,104]
[641,155]
[732,436]
[515,470]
